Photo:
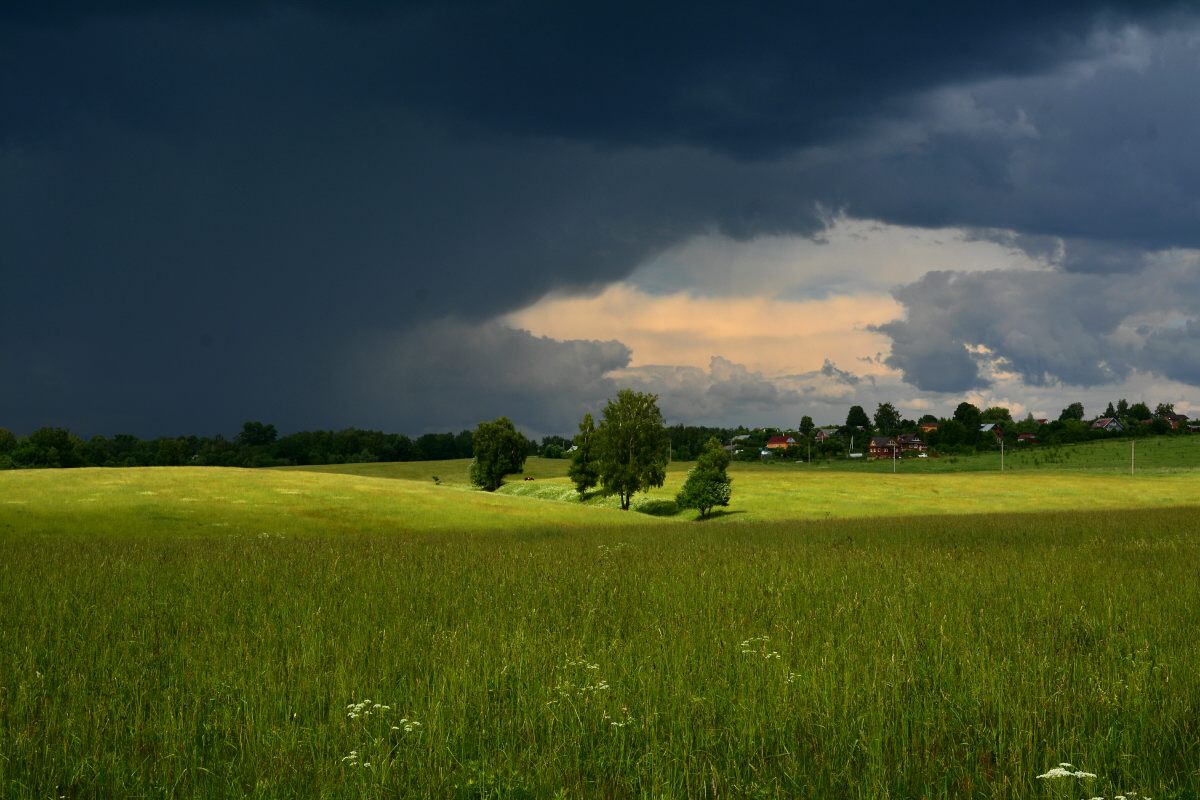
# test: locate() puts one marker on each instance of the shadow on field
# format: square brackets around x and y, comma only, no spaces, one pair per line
[720,512]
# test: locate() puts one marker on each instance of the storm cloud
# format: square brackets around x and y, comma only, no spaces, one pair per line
[212,211]
[1058,326]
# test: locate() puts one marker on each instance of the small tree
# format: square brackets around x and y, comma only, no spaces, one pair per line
[631,445]
[499,450]
[583,471]
[806,425]
[707,484]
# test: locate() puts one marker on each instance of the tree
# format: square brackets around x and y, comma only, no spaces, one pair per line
[1164,409]
[927,418]
[256,434]
[499,450]
[857,418]
[1073,411]
[707,484]
[1139,411]
[1122,407]
[806,425]
[583,470]
[887,419]
[1110,410]
[631,445]
[969,415]
[998,415]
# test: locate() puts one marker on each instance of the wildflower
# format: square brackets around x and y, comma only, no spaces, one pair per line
[1065,770]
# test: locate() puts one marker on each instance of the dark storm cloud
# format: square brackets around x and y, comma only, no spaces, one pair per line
[205,209]
[454,374]
[830,370]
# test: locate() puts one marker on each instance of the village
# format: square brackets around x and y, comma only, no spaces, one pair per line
[968,430]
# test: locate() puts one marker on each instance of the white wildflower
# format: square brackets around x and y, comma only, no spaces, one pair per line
[1065,770]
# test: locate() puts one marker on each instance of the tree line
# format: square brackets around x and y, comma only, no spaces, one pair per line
[257,445]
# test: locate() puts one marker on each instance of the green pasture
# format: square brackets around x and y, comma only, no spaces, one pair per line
[220,633]
[797,491]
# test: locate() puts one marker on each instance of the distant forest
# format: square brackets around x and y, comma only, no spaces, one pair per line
[260,445]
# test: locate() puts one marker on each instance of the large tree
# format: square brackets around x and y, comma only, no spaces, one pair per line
[857,418]
[499,450]
[631,445]
[998,415]
[1073,411]
[1139,412]
[584,472]
[969,415]
[887,419]
[707,484]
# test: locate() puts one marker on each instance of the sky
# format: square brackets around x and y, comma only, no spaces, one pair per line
[418,216]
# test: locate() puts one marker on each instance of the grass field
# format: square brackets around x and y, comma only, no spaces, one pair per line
[219,633]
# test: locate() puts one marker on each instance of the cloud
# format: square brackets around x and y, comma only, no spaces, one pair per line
[1049,327]
[830,370]
[204,208]
[453,374]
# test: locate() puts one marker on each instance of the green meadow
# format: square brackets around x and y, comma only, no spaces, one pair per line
[365,631]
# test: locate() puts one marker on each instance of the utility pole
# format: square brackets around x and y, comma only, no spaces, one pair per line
[893,457]
[1132,449]
[1002,454]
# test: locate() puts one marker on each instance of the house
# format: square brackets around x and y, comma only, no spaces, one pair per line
[1108,424]
[823,435]
[1043,421]
[910,443]
[1026,438]
[1177,420]
[928,427]
[993,429]
[780,442]
[883,447]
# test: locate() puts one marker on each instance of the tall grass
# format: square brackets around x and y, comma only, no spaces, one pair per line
[147,653]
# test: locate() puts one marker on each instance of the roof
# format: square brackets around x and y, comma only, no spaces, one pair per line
[882,441]
[781,440]
[987,426]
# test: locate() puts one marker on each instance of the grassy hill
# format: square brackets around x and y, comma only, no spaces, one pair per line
[1060,480]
